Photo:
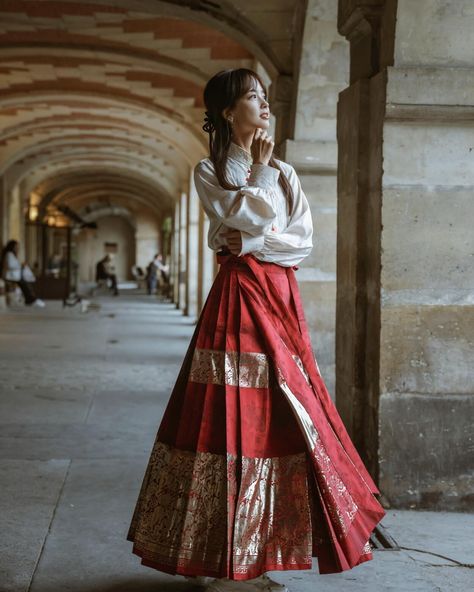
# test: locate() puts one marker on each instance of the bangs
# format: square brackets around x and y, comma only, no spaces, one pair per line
[250,80]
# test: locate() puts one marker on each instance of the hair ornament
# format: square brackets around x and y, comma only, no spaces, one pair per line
[208,126]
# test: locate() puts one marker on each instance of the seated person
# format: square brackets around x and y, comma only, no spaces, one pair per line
[102,272]
[12,271]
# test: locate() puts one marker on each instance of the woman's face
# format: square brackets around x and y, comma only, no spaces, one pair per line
[251,110]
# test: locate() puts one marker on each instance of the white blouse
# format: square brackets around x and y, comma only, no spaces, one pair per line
[259,209]
[12,268]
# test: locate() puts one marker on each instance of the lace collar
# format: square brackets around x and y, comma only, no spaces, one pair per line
[237,152]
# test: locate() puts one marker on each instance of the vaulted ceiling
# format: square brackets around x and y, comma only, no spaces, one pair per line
[101,102]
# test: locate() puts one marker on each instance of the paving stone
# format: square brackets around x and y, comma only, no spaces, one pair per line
[96,506]
[28,496]
[81,398]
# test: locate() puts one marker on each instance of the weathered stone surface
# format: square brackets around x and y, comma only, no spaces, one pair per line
[428,86]
[427,242]
[432,32]
[405,152]
[29,493]
[318,300]
[313,157]
[323,73]
[427,450]
[427,349]
[83,560]
[428,155]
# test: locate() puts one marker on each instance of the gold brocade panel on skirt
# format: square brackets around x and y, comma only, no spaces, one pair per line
[232,368]
[181,517]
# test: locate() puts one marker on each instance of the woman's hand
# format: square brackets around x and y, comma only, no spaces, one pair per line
[234,241]
[262,147]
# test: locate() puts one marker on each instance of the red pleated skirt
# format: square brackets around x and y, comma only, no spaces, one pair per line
[252,469]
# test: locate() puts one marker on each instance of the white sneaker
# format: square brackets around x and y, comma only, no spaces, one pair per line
[199,580]
[39,303]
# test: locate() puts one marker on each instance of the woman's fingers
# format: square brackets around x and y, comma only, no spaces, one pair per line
[234,241]
[262,146]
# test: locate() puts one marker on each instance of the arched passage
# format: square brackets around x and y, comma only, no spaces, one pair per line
[100,116]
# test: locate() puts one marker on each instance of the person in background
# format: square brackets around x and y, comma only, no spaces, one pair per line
[155,266]
[12,271]
[103,272]
[164,269]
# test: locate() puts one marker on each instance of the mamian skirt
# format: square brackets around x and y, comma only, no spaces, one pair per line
[252,469]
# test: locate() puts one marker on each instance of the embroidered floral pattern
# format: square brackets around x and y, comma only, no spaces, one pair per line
[191,503]
[180,517]
[340,504]
[272,519]
[243,369]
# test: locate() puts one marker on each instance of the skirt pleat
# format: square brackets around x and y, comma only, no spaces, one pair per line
[252,469]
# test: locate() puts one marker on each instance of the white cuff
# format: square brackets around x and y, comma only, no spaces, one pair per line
[251,243]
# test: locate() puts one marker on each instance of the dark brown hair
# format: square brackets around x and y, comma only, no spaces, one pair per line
[8,248]
[222,91]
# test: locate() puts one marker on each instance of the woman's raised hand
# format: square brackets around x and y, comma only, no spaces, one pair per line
[262,147]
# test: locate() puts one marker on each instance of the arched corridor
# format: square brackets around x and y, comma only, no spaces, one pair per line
[101,114]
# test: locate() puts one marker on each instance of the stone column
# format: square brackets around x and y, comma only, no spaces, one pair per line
[3,238]
[359,133]
[3,213]
[192,250]
[208,267]
[427,275]
[175,253]
[182,258]
[312,150]
[405,319]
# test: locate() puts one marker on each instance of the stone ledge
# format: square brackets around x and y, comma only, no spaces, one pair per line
[425,456]
[311,157]
[439,93]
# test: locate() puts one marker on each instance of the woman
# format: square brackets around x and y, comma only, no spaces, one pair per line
[252,469]
[11,271]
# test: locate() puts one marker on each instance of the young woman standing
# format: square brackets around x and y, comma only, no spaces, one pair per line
[252,469]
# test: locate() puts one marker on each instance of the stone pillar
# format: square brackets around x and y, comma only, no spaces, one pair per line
[405,319]
[323,71]
[427,277]
[192,250]
[182,258]
[3,238]
[359,133]
[175,253]
[207,259]
[15,220]
[3,213]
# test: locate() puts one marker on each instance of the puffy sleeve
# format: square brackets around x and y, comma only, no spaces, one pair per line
[295,242]
[250,209]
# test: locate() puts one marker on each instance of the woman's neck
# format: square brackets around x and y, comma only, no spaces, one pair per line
[243,140]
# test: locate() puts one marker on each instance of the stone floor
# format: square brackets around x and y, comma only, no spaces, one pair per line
[81,396]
